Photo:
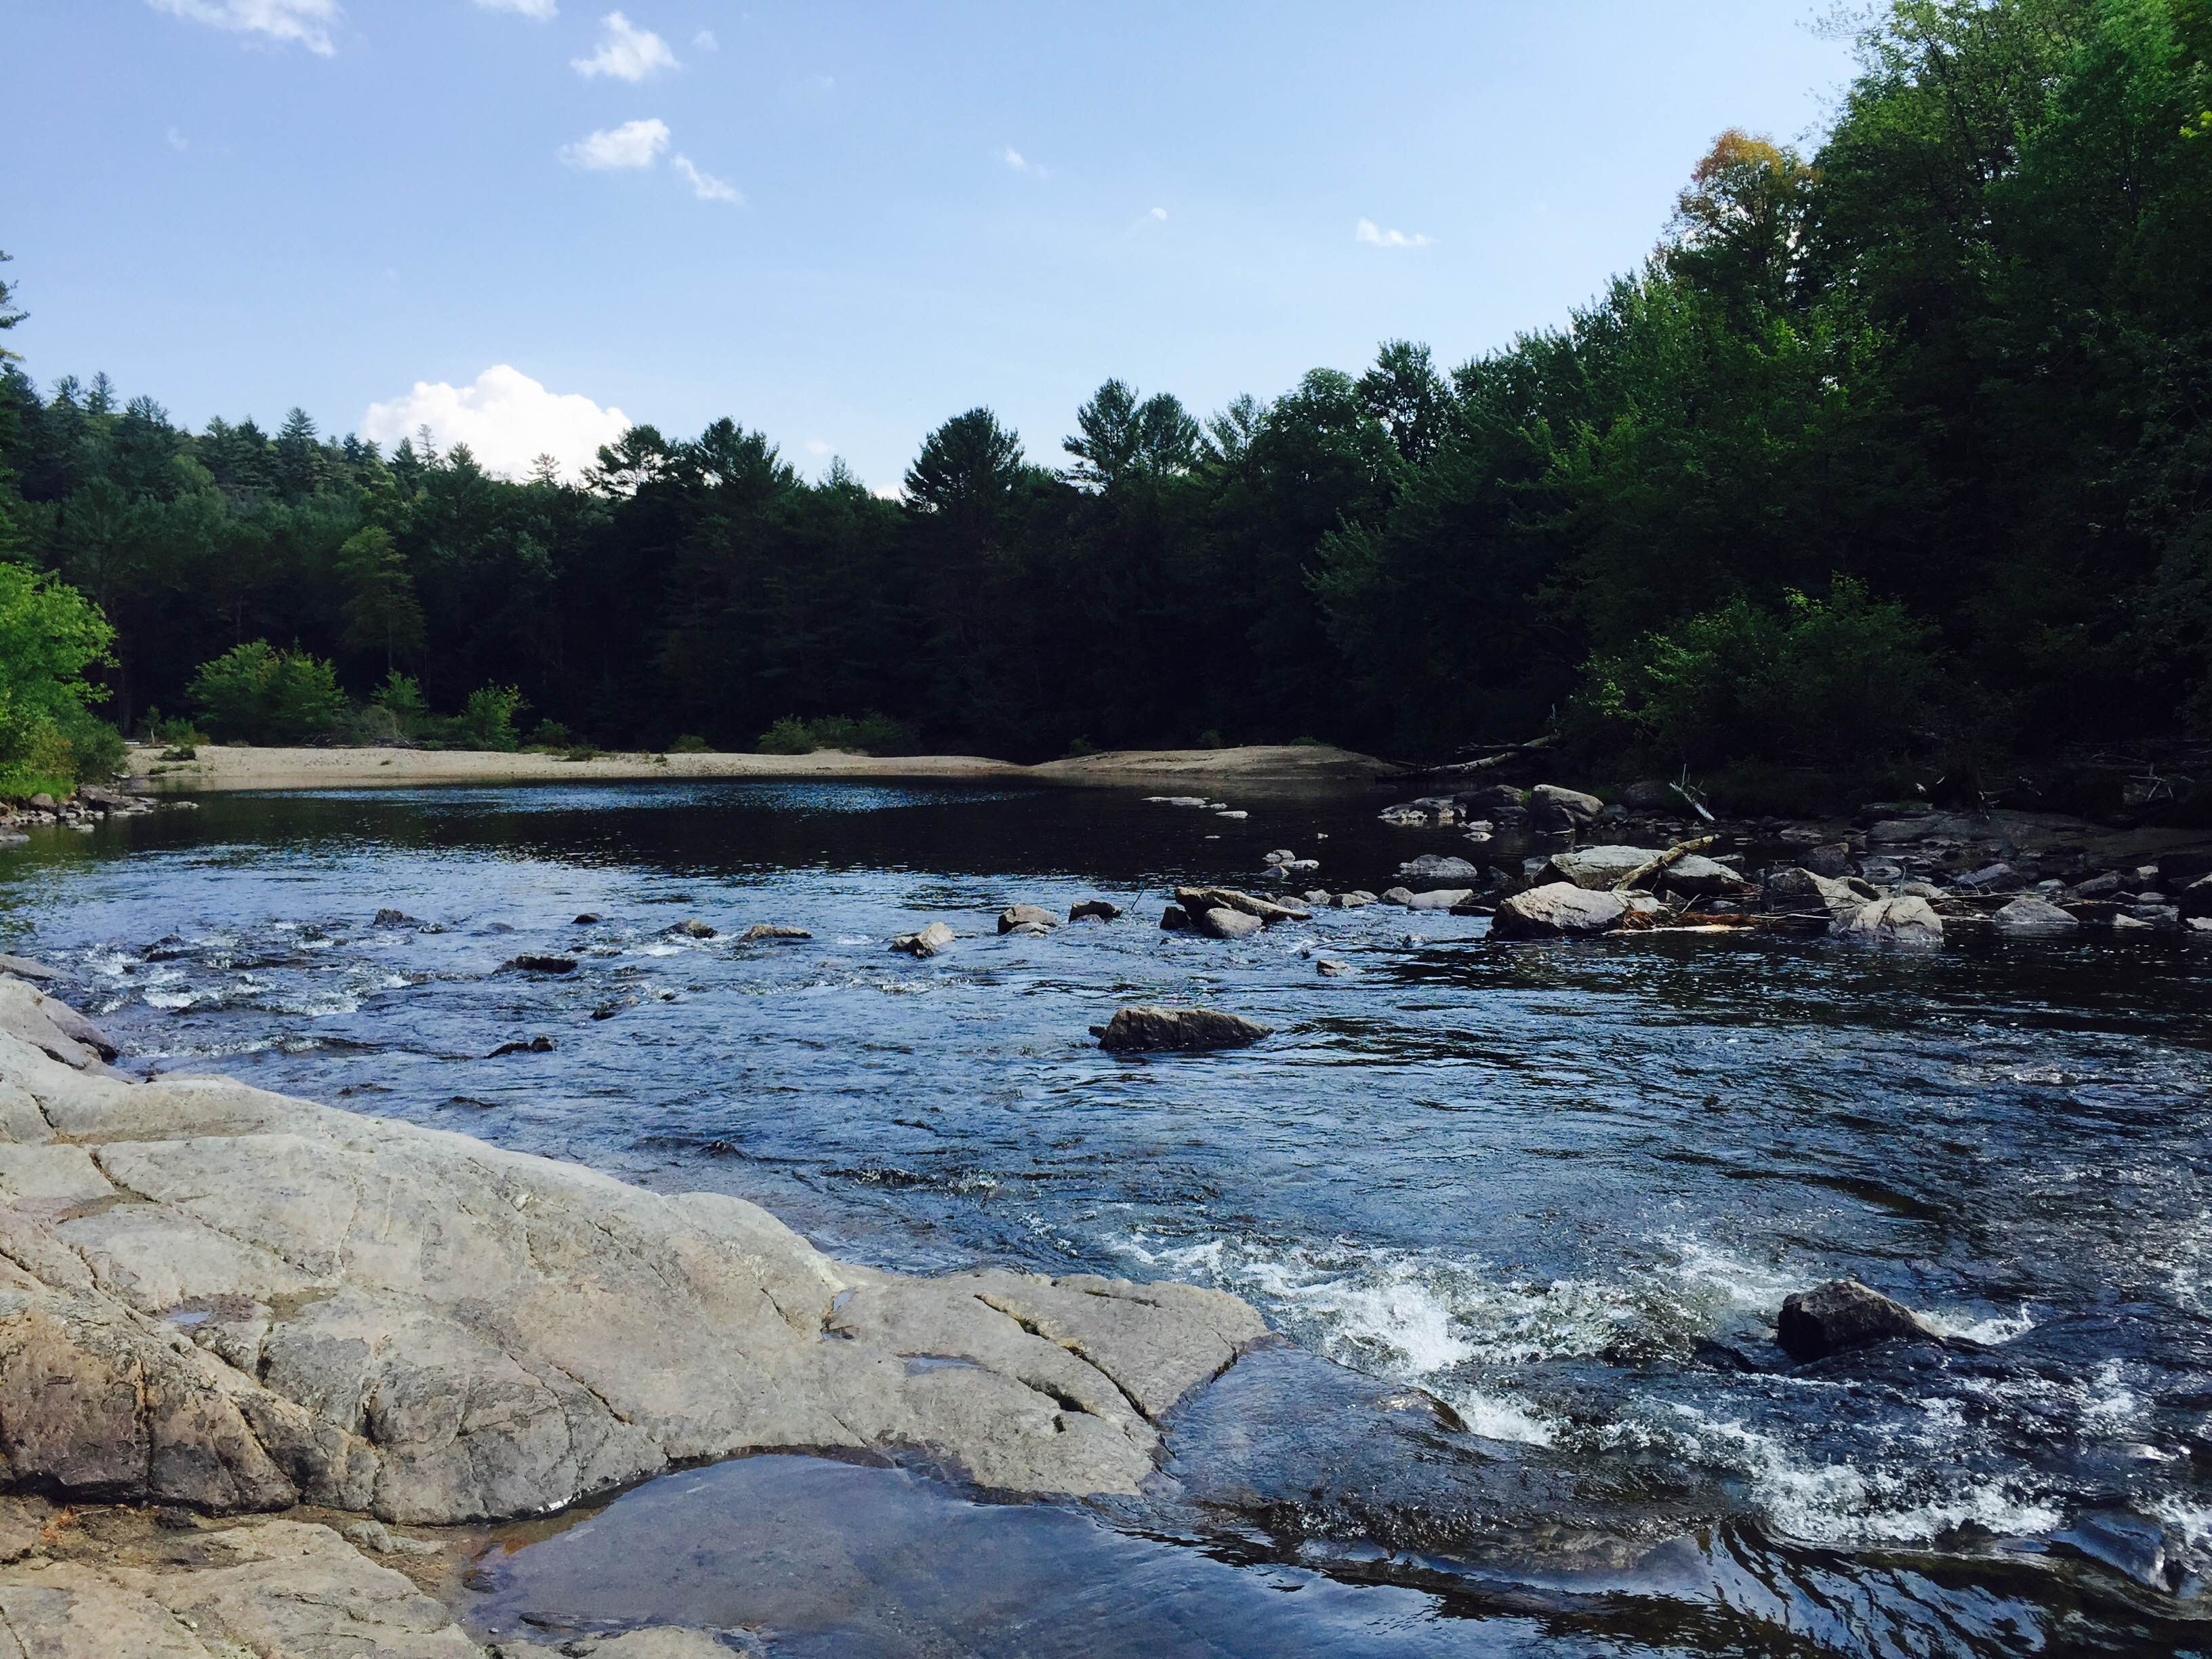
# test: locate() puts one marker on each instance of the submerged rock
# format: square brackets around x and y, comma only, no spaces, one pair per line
[1094,910]
[1146,1029]
[768,930]
[1843,1315]
[1329,968]
[544,964]
[588,919]
[1433,867]
[692,928]
[927,942]
[1026,916]
[1558,910]
[389,917]
[414,1324]
[537,1045]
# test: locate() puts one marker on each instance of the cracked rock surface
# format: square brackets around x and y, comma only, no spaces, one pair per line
[218,1298]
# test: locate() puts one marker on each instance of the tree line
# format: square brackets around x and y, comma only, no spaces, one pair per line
[1901,446]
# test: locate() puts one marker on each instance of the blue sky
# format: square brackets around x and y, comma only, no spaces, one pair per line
[839,222]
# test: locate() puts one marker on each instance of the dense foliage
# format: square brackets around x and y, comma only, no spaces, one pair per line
[1904,442]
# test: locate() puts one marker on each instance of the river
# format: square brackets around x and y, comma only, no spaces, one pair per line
[1559,1190]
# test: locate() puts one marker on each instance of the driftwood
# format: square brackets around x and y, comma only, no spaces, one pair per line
[1651,867]
[1504,757]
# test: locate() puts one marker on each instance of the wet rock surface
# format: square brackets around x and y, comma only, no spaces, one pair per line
[1158,1030]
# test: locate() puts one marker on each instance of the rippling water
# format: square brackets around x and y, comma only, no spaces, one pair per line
[1562,1189]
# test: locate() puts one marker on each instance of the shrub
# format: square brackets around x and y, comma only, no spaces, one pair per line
[1079,748]
[690,743]
[401,697]
[255,692]
[553,734]
[487,719]
[1820,679]
[50,634]
[868,734]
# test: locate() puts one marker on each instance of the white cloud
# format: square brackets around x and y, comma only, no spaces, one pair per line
[1021,163]
[177,140]
[1374,235]
[632,144]
[538,12]
[505,418]
[308,22]
[817,447]
[704,41]
[1160,213]
[626,51]
[705,186]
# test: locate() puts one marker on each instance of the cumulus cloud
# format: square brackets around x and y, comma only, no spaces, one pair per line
[538,12]
[1021,163]
[505,418]
[704,41]
[626,51]
[304,22]
[705,186]
[1374,235]
[632,144]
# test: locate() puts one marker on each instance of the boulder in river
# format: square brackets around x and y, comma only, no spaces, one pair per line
[1094,910]
[2195,900]
[52,1026]
[1843,1315]
[768,930]
[587,919]
[927,942]
[1221,923]
[692,928]
[1026,915]
[1438,898]
[1648,795]
[1199,899]
[1899,919]
[1552,807]
[537,1045]
[544,964]
[1438,867]
[1174,920]
[2029,915]
[1359,898]
[1558,909]
[1330,967]
[1798,896]
[1148,1030]
[24,968]
[1599,868]
[389,917]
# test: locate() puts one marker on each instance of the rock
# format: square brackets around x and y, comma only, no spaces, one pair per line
[1223,923]
[1232,815]
[537,1045]
[926,943]
[1026,915]
[1598,868]
[1146,1030]
[1799,894]
[1174,920]
[1840,1316]
[1094,910]
[1557,910]
[43,802]
[1400,896]
[1330,967]
[1921,889]
[2120,923]
[2185,868]
[692,928]
[544,964]
[1029,930]
[1320,898]
[589,918]
[2103,886]
[1431,866]
[52,1026]
[1358,899]
[1281,855]
[1831,859]
[1177,800]
[388,917]
[1903,919]
[1648,795]
[1550,807]
[2033,915]
[2195,900]
[1199,899]
[1440,898]
[24,968]
[1988,876]
[768,930]
[1496,800]
[412,1324]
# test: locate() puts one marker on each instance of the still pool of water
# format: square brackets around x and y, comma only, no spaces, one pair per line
[1540,1205]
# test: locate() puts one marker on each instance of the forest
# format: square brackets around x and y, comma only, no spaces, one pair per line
[1895,455]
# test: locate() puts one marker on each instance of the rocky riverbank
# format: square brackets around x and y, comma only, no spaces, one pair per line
[216,1302]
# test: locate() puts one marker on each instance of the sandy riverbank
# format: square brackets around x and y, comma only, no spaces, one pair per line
[222,767]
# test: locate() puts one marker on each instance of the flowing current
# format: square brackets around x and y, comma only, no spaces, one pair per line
[1540,1204]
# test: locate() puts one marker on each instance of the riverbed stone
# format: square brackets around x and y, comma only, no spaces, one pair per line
[1557,910]
[1436,867]
[927,942]
[1197,901]
[1553,807]
[1220,922]
[1144,1029]
[2029,914]
[1438,898]
[1899,919]
[1032,916]
[1094,910]
[1840,1316]
[761,931]
[1801,895]
[276,1302]
[51,1025]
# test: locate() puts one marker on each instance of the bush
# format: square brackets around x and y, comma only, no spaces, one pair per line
[869,735]
[172,733]
[50,634]
[400,697]
[255,692]
[487,719]
[1823,680]
[690,743]
[553,734]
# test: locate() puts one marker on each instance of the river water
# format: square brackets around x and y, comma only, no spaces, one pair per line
[1539,1204]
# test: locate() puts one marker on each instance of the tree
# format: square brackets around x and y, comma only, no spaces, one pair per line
[8,315]
[261,695]
[1404,391]
[381,608]
[1119,437]
[49,636]
[1739,225]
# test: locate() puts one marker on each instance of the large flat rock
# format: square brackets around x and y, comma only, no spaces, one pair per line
[216,1297]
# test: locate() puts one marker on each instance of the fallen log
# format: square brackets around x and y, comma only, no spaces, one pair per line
[1461,769]
[1651,867]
